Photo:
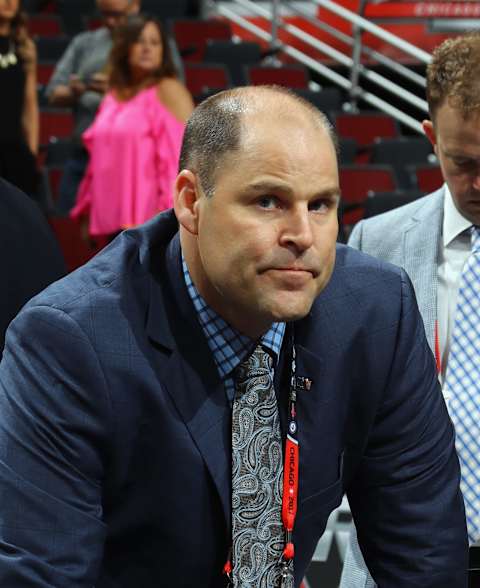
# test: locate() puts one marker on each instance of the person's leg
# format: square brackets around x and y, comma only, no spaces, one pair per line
[73,173]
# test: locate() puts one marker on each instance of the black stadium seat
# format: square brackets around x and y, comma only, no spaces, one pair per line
[234,55]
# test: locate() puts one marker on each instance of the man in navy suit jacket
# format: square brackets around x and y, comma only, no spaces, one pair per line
[115,425]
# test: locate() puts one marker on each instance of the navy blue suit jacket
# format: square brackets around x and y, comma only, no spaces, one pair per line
[115,429]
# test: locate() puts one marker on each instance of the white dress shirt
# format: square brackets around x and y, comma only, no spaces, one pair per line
[454,251]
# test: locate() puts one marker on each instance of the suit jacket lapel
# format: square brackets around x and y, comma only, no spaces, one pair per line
[190,374]
[421,242]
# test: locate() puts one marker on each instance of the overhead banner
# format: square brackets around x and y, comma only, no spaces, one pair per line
[423,10]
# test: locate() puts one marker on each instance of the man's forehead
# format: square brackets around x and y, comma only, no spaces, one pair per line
[454,124]
[277,154]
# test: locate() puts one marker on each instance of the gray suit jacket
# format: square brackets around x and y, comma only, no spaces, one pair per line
[408,236]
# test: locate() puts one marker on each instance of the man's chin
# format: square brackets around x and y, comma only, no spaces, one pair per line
[291,312]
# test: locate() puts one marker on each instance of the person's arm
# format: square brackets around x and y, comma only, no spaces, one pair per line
[176,98]
[30,114]
[55,420]
[65,87]
[405,497]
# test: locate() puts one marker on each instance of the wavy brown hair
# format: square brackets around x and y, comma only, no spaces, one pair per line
[454,75]
[18,26]
[119,74]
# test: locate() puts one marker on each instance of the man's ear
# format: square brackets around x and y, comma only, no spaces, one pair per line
[187,194]
[429,131]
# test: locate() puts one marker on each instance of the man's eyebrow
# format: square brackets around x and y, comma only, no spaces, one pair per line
[272,187]
[269,186]
[457,155]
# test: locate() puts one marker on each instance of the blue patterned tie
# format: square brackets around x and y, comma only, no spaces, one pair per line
[257,474]
[462,383]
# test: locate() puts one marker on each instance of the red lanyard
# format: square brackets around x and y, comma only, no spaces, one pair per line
[290,469]
[290,479]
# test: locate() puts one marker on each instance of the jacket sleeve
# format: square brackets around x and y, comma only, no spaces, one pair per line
[405,496]
[54,415]
[355,239]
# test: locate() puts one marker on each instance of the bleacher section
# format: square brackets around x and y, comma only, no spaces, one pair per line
[375,153]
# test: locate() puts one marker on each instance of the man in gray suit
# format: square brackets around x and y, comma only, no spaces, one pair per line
[430,238]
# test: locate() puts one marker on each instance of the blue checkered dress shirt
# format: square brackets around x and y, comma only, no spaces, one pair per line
[229,347]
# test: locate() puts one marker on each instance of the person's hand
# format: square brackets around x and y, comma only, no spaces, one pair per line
[98,83]
[77,87]
[28,53]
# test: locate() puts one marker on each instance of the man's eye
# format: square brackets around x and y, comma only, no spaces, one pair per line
[320,205]
[463,162]
[268,202]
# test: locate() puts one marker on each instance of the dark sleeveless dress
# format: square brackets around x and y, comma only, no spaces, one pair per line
[17,163]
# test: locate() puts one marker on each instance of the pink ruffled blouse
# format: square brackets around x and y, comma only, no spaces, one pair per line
[134,147]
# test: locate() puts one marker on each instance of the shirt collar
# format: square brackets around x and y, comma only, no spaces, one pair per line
[454,223]
[229,347]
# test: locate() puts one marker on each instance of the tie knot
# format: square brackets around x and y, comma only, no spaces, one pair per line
[258,363]
[475,238]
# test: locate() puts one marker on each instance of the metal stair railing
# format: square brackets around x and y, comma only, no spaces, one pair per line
[352,84]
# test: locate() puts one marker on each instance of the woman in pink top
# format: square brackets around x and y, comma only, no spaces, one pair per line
[134,141]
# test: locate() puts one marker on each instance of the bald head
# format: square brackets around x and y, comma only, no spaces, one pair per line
[220,125]
[114,12]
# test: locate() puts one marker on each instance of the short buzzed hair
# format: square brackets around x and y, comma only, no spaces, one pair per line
[215,129]
[454,75]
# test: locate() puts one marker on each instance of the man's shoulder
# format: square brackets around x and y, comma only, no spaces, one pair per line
[395,219]
[382,235]
[116,274]
[90,39]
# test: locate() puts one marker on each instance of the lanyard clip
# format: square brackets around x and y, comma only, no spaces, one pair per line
[286,575]
[302,383]
[227,571]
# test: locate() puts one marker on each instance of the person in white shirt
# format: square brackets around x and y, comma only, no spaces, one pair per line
[430,239]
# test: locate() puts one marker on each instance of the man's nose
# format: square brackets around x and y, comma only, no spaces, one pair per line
[297,231]
[476,179]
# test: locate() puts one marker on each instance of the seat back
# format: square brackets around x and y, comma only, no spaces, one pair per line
[234,56]
[46,25]
[365,127]
[192,35]
[427,178]
[291,76]
[400,152]
[51,49]
[327,100]
[202,80]
[55,122]
[357,181]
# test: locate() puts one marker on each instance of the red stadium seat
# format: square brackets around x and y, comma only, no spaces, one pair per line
[291,76]
[55,122]
[205,79]
[191,35]
[365,128]
[427,177]
[357,181]
[45,25]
